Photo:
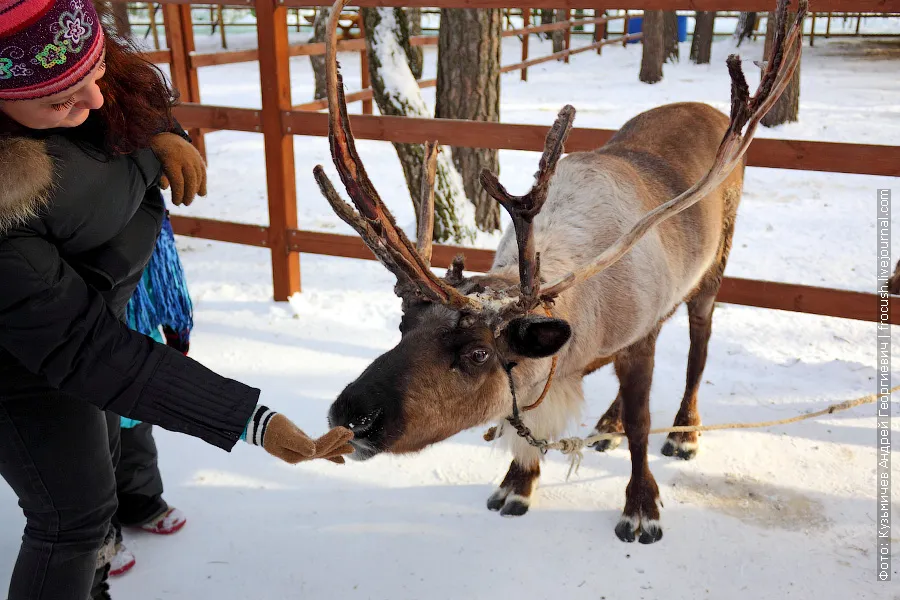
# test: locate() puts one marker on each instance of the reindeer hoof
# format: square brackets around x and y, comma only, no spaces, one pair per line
[653,533]
[515,506]
[497,499]
[605,445]
[508,503]
[646,531]
[685,450]
[625,530]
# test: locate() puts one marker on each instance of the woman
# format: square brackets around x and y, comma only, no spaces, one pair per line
[86,133]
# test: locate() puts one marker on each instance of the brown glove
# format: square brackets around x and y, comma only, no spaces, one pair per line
[183,167]
[286,441]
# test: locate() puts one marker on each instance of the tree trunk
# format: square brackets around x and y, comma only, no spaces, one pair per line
[397,94]
[558,35]
[320,29]
[670,37]
[416,54]
[787,107]
[113,16]
[468,87]
[122,20]
[653,45]
[701,44]
[546,19]
[746,25]
[104,12]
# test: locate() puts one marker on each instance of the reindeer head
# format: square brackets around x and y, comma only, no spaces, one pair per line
[461,336]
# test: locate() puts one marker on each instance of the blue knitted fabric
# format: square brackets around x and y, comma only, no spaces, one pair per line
[161,298]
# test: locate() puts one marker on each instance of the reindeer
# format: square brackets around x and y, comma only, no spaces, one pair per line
[604,248]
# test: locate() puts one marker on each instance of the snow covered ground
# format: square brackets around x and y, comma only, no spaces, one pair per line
[785,512]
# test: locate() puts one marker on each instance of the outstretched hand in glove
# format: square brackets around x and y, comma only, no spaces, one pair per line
[281,438]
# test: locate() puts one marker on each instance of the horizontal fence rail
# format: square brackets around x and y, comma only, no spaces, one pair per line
[209,59]
[829,157]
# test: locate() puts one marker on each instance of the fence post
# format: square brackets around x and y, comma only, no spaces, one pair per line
[812,31]
[151,11]
[180,35]
[220,17]
[568,32]
[625,31]
[281,183]
[600,31]
[365,81]
[526,23]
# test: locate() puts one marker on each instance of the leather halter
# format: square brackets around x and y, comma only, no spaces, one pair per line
[549,376]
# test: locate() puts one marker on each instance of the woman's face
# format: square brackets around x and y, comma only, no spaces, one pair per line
[66,109]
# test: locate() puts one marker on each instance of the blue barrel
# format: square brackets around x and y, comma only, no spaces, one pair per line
[635,25]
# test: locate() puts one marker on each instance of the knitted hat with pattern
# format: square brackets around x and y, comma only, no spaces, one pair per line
[46,46]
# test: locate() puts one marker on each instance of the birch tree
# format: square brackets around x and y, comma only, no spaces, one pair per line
[397,94]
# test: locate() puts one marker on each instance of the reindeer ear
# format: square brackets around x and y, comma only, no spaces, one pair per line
[537,337]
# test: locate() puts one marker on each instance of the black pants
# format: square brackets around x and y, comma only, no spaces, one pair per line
[139,486]
[60,457]
[56,455]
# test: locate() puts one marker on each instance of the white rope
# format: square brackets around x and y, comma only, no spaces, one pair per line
[574,446]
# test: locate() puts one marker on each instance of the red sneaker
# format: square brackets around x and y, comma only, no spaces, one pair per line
[122,562]
[167,523]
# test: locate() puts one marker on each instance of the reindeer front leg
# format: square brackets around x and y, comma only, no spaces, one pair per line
[548,422]
[634,368]
[513,497]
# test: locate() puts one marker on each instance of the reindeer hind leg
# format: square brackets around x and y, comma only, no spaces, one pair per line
[610,422]
[685,445]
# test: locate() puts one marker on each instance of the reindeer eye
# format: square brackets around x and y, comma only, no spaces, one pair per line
[479,356]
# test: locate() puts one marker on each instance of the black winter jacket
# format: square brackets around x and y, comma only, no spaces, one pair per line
[76,231]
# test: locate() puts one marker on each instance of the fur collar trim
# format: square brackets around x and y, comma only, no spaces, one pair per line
[26,179]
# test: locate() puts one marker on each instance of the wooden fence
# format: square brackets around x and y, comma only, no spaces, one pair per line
[279,120]
[217,21]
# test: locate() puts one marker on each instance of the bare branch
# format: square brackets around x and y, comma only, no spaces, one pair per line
[745,111]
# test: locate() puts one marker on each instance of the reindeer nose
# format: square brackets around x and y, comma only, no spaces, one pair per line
[365,421]
[356,417]
[337,414]
[363,425]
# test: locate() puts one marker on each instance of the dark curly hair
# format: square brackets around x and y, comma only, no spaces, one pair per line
[137,99]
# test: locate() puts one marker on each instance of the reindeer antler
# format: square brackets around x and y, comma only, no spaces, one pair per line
[523,209]
[374,222]
[425,231]
[745,111]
